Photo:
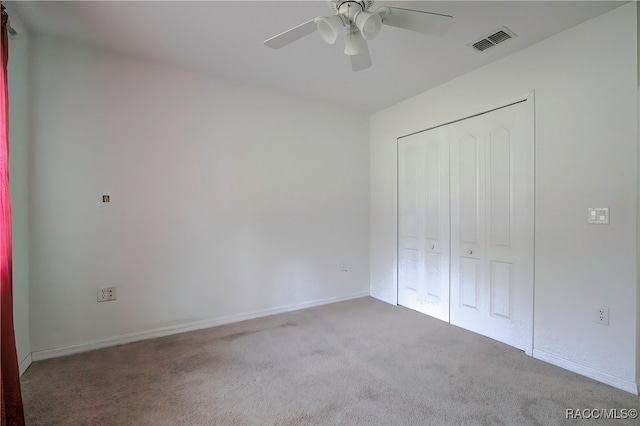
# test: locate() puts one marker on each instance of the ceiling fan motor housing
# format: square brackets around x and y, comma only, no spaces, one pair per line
[336,4]
[355,17]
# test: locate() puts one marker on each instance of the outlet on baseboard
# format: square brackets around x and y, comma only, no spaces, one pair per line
[106,293]
[602,315]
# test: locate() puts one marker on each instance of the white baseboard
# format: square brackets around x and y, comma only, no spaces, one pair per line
[382,298]
[26,362]
[586,371]
[180,328]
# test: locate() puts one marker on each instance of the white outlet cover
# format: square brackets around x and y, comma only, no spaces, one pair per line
[604,318]
[103,294]
[106,293]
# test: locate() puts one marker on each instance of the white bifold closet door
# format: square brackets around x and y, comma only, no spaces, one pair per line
[465,223]
[423,198]
[492,225]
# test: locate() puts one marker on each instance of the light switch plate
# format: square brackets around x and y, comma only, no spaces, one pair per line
[598,215]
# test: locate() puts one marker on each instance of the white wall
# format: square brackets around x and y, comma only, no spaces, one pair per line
[19,180]
[585,82]
[226,201]
[638,213]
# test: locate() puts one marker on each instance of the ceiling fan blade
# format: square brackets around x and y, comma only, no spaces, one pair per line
[362,60]
[416,20]
[289,36]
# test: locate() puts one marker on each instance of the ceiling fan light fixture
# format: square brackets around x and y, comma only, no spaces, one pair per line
[369,24]
[329,27]
[355,44]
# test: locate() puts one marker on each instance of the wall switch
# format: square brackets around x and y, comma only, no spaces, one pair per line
[602,315]
[598,215]
[106,293]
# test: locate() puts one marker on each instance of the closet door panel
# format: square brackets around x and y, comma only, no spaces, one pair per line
[467,230]
[411,196]
[423,222]
[497,190]
[509,256]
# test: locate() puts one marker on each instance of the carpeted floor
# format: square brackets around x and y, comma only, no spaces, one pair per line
[355,362]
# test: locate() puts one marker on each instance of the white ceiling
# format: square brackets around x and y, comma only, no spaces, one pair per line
[224,38]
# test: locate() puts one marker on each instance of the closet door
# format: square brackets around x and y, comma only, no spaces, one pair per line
[492,225]
[423,222]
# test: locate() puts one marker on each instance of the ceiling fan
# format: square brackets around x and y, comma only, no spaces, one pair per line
[358,24]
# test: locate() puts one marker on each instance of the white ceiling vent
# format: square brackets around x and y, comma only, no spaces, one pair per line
[491,40]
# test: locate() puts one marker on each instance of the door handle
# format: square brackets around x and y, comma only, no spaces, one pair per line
[470,251]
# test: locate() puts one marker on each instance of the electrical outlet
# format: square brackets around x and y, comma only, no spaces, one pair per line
[106,293]
[111,293]
[103,294]
[602,315]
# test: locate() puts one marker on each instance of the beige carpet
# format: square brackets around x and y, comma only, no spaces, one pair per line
[355,362]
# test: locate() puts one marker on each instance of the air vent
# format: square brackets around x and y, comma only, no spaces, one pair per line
[483,44]
[497,37]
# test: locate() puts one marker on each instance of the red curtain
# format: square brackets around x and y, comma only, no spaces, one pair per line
[12,412]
